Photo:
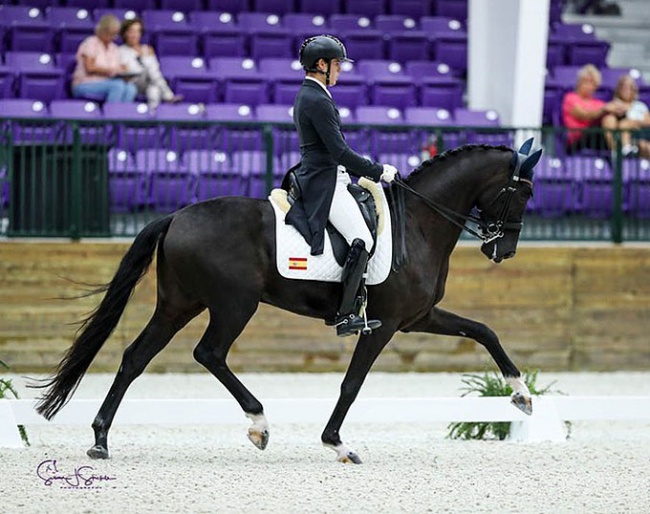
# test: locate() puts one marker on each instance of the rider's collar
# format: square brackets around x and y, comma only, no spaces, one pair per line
[320,84]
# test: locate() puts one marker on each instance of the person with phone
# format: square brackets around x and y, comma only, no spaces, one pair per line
[141,60]
[97,74]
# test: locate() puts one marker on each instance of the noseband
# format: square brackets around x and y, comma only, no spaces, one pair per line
[489,230]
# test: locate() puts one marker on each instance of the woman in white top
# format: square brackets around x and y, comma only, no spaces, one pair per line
[636,117]
[141,59]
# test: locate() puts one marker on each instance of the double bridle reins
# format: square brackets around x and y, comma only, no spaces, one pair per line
[489,230]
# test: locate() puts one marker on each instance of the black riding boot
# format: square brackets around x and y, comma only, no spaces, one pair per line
[348,321]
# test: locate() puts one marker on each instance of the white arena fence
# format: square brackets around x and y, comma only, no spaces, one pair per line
[546,423]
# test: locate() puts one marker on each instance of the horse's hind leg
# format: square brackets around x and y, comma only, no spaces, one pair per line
[442,322]
[211,352]
[155,336]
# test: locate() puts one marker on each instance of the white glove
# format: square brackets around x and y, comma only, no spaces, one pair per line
[389,173]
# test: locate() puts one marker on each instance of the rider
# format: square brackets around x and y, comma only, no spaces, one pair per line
[323,177]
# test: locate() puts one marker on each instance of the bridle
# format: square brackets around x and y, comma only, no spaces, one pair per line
[489,230]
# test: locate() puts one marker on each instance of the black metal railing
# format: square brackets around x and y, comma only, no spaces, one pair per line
[72,178]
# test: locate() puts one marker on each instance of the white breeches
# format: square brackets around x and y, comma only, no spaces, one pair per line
[345,214]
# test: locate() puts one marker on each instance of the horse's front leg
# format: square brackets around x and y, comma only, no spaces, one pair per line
[442,322]
[366,352]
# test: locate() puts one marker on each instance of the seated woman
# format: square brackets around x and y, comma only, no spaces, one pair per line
[635,116]
[99,66]
[582,110]
[141,59]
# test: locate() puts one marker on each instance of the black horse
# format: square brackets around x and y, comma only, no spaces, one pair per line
[220,255]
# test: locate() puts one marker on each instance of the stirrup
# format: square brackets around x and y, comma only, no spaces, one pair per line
[353,324]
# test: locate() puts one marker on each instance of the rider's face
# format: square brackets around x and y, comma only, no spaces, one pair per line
[335,69]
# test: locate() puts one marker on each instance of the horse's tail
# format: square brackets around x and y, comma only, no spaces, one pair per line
[99,325]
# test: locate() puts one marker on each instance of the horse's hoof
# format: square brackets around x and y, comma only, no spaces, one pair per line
[523,403]
[260,438]
[98,452]
[349,458]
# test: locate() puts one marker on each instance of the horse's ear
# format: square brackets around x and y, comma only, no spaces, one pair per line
[526,147]
[531,161]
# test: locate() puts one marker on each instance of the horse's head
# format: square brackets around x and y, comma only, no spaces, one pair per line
[501,213]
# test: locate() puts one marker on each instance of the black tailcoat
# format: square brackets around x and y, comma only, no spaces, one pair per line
[322,149]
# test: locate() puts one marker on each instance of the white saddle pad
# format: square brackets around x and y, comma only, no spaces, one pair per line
[295,261]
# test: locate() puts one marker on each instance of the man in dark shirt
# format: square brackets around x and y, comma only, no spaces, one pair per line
[323,177]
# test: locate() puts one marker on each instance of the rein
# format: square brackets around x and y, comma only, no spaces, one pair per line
[489,230]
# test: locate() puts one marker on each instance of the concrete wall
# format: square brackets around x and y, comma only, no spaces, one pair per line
[555,308]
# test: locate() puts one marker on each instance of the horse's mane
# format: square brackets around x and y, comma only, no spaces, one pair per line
[452,153]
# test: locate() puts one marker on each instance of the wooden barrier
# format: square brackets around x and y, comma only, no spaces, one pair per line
[554,308]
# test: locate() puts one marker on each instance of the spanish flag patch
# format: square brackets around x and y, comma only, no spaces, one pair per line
[298,263]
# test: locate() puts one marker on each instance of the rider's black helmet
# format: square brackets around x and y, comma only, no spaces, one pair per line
[321,47]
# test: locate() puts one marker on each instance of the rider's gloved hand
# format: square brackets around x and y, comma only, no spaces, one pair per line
[389,173]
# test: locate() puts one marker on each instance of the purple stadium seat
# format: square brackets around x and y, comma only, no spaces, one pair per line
[85,112]
[636,177]
[413,8]
[137,129]
[422,70]
[273,6]
[594,178]
[286,137]
[552,103]
[28,110]
[448,38]
[136,5]
[190,77]
[389,85]
[610,76]
[7,79]
[370,8]
[555,54]
[364,44]
[37,75]
[253,163]
[122,13]
[87,4]
[284,77]
[304,25]
[172,34]
[453,8]
[487,119]
[235,132]
[433,117]
[346,22]
[320,7]
[231,6]
[254,22]
[588,52]
[27,28]
[181,5]
[394,23]
[70,26]
[128,184]
[220,35]
[446,92]
[240,80]
[172,184]
[351,91]
[185,133]
[216,176]
[408,45]
[268,38]
[385,140]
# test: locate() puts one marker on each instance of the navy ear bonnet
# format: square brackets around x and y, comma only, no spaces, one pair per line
[523,162]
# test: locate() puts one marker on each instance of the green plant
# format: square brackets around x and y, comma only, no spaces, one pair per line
[490,383]
[6,388]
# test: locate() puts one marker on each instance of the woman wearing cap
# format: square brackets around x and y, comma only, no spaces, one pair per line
[324,174]
[99,65]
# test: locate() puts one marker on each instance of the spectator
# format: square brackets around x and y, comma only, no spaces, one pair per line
[635,116]
[582,110]
[99,66]
[141,59]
